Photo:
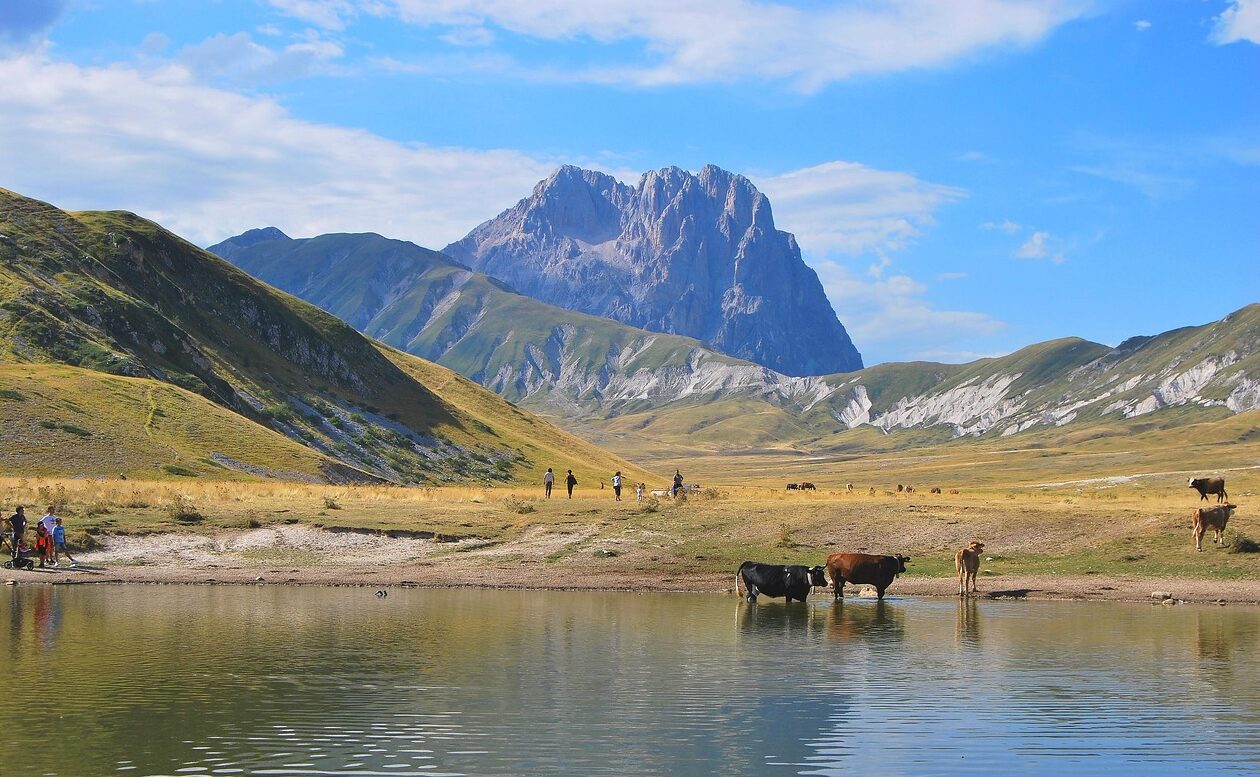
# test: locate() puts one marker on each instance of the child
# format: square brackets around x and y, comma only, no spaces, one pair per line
[42,544]
[59,545]
[638,491]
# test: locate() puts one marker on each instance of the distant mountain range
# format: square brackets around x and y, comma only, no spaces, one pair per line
[680,253]
[125,349]
[618,378]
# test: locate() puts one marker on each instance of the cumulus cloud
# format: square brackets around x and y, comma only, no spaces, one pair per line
[688,41]
[209,163]
[1040,245]
[850,208]
[239,58]
[892,316]
[1239,22]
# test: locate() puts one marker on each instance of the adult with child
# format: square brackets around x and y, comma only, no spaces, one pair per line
[548,480]
[570,482]
[49,522]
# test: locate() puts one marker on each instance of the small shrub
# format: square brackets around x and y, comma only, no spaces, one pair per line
[251,520]
[175,469]
[182,509]
[650,505]
[48,424]
[1243,544]
[519,506]
[77,431]
[95,508]
[330,503]
[11,394]
[785,537]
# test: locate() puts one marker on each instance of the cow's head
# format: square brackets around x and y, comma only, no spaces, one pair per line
[818,576]
[901,563]
[1229,508]
[976,545]
[1196,482]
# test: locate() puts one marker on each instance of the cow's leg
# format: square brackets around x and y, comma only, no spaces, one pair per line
[880,593]
[838,583]
[962,582]
[1198,538]
[752,591]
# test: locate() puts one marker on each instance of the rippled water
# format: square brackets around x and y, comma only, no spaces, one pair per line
[149,680]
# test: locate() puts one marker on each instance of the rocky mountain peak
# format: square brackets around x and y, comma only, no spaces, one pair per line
[246,239]
[679,252]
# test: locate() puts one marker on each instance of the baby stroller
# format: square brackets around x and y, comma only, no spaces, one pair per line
[21,558]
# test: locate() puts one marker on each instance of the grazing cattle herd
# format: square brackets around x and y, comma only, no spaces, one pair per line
[796,581]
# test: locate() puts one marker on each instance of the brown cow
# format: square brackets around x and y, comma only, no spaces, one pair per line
[953,491]
[900,488]
[967,564]
[864,569]
[936,489]
[807,486]
[1207,486]
[1213,518]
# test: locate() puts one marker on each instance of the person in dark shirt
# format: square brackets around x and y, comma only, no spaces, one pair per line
[678,482]
[17,527]
[570,482]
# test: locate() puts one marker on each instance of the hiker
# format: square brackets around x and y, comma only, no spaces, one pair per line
[678,482]
[43,544]
[49,522]
[638,491]
[616,481]
[548,480]
[570,482]
[17,527]
[59,545]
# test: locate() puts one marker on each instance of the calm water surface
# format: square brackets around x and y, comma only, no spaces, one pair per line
[176,680]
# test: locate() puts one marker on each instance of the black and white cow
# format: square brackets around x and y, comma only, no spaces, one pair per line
[793,582]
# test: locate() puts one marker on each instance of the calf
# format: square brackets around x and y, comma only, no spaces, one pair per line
[1213,518]
[792,582]
[1207,486]
[864,569]
[967,564]
[849,488]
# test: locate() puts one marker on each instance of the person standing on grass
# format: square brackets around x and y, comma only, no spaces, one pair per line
[49,522]
[59,545]
[570,482]
[548,480]
[678,482]
[638,491]
[17,528]
[616,481]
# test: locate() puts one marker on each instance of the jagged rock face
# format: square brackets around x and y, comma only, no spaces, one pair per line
[696,255]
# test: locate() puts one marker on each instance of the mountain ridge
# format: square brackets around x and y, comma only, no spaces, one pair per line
[679,253]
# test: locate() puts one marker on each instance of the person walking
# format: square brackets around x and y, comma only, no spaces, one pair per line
[570,482]
[616,481]
[59,545]
[49,522]
[548,480]
[678,482]
[17,528]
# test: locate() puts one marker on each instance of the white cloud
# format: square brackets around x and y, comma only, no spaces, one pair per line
[1239,22]
[846,207]
[1006,225]
[892,316]
[209,163]
[1142,25]
[688,41]
[1040,245]
[238,58]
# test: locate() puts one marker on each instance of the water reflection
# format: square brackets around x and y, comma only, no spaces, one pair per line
[270,680]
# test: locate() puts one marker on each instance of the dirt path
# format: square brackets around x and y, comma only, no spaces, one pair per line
[536,560]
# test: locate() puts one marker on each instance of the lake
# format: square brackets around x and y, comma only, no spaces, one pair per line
[272,680]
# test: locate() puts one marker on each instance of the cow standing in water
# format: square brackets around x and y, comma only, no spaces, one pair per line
[1207,486]
[792,582]
[864,569]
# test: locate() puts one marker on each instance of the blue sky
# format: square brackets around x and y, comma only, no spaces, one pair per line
[967,177]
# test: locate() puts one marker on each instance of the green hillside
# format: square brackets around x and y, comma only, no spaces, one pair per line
[118,295]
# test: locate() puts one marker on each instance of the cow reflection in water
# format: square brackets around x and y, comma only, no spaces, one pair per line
[875,621]
[780,620]
[968,626]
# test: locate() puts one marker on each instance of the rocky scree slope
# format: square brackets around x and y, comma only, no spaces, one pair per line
[695,255]
[112,293]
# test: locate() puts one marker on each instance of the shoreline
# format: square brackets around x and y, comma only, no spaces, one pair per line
[1006,588]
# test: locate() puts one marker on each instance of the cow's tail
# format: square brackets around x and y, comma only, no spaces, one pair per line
[739,578]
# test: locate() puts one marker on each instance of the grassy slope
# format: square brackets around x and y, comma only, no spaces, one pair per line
[56,419]
[116,293]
